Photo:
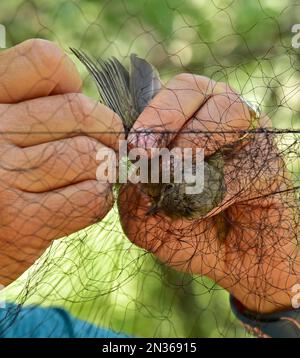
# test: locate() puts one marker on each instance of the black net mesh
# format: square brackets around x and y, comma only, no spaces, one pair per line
[97,273]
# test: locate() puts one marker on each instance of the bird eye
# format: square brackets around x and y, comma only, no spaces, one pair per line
[169,186]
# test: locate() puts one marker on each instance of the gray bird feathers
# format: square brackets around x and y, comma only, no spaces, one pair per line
[125,93]
[173,200]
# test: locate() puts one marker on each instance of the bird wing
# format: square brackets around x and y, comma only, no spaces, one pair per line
[144,82]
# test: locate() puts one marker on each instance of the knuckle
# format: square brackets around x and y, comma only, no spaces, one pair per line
[185,77]
[192,78]
[224,87]
[35,42]
[46,54]
[189,81]
[48,51]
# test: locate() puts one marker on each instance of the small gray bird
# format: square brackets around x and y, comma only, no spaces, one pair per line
[173,200]
[127,94]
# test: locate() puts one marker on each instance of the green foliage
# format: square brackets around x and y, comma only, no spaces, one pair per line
[96,273]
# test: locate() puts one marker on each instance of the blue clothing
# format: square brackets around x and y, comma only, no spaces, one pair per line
[39,322]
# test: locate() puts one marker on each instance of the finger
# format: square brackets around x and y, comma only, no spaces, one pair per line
[56,117]
[51,165]
[223,119]
[69,209]
[170,109]
[180,243]
[36,68]
[37,219]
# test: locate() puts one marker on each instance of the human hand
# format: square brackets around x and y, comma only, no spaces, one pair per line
[49,137]
[258,261]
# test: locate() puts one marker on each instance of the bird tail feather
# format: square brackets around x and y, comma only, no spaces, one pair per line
[126,94]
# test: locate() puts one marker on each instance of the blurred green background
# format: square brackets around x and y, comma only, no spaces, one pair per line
[97,273]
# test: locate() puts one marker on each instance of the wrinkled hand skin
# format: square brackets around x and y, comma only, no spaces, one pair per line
[258,260]
[49,136]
